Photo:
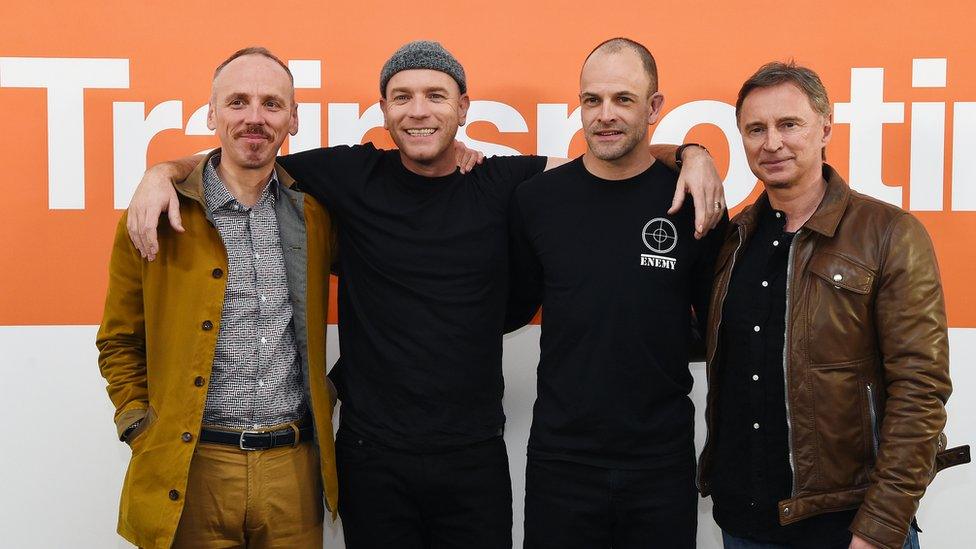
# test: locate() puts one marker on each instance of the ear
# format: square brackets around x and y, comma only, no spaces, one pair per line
[463,105]
[828,121]
[293,123]
[386,123]
[211,116]
[657,102]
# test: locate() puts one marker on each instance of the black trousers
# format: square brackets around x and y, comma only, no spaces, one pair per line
[459,498]
[570,505]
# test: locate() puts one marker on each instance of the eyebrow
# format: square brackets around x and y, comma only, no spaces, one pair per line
[425,90]
[242,95]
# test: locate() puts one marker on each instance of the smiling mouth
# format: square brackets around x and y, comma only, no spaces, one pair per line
[608,133]
[421,132]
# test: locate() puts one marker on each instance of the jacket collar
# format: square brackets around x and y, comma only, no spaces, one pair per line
[824,220]
[192,186]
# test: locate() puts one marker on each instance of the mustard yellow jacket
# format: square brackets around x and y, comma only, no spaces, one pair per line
[157,338]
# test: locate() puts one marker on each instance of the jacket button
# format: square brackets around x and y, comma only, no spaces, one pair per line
[199,381]
[838,277]
[207,325]
[174,495]
[217,273]
[187,437]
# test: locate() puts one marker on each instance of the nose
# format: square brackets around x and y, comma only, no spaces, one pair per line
[418,108]
[773,141]
[252,115]
[607,113]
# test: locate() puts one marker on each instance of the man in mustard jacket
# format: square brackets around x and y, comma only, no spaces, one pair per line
[215,353]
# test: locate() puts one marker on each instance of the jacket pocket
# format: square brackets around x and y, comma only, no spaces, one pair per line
[842,273]
[839,436]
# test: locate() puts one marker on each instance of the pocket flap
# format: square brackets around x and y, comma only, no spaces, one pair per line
[842,272]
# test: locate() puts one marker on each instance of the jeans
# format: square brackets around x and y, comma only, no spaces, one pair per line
[732,542]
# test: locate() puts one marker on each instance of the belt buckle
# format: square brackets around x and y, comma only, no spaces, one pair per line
[241,442]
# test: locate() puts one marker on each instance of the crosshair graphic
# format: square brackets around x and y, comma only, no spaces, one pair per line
[660,235]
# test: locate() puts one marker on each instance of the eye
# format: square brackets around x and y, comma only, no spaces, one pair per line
[625,100]
[437,97]
[274,105]
[236,103]
[590,100]
[401,98]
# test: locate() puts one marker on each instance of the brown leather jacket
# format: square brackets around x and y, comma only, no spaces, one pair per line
[866,361]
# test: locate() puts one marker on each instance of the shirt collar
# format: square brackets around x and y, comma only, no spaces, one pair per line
[218,197]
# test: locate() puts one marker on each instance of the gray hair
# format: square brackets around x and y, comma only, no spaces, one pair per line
[776,73]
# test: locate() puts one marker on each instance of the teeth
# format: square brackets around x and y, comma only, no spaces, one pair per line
[421,131]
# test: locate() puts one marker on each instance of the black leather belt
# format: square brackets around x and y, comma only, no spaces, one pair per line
[259,440]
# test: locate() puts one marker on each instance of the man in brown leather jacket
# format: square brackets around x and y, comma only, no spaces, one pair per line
[828,356]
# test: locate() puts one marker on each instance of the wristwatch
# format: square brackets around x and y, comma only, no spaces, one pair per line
[677,153]
[129,430]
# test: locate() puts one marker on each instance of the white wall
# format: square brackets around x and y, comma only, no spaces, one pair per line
[61,466]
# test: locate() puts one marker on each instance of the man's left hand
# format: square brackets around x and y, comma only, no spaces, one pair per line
[700,179]
[858,542]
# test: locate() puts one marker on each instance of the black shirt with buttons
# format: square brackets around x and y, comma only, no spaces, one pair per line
[751,470]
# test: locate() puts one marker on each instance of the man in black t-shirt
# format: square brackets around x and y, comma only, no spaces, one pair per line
[422,295]
[611,452]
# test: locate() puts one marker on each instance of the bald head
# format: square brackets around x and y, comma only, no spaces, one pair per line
[627,46]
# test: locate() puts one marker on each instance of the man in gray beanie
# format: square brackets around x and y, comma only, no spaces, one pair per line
[423,280]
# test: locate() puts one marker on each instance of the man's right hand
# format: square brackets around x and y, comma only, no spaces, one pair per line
[155,195]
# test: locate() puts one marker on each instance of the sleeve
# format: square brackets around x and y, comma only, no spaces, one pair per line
[321,172]
[121,339]
[525,282]
[701,286]
[913,341]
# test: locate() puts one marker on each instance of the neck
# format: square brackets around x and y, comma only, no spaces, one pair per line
[633,163]
[798,201]
[443,164]
[245,184]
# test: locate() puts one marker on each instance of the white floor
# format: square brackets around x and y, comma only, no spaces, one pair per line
[61,467]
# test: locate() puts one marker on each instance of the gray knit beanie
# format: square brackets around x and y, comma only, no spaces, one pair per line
[422,54]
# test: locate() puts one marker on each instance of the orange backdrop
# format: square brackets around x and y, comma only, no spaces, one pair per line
[517,53]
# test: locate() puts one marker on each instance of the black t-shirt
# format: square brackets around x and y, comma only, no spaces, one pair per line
[618,279]
[422,284]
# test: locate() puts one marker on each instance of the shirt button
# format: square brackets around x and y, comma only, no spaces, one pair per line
[257,256]
[776,243]
[251,214]
[755,377]
[264,340]
[778,215]
[174,495]
[217,273]
[199,381]
[260,383]
[755,426]
[765,283]
[187,437]
[756,328]
[263,298]
[207,325]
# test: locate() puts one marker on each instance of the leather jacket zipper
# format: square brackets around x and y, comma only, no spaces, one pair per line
[786,367]
[875,434]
